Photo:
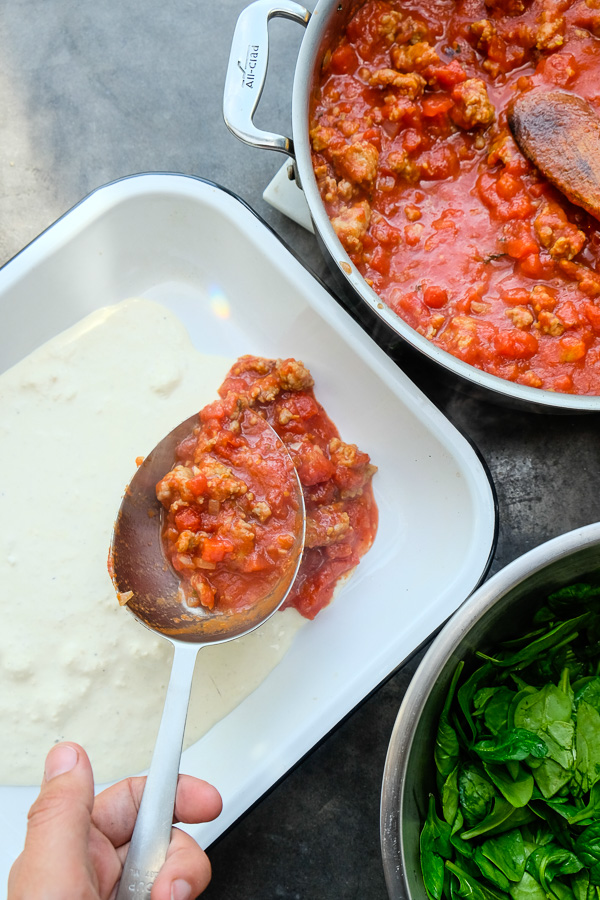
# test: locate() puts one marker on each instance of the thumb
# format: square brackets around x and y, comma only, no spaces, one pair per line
[56,845]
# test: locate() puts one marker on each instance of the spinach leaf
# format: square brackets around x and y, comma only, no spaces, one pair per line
[561,891]
[564,631]
[545,863]
[528,889]
[537,834]
[544,616]
[587,745]
[467,691]
[524,691]
[587,845]
[580,884]
[462,847]
[500,813]
[550,777]
[540,711]
[588,689]
[548,714]
[522,639]
[517,788]
[513,743]
[508,853]
[560,740]
[446,743]
[496,713]
[435,846]
[471,888]
[591,809]
[490,871]
[563,598]
[503,817]
[450,797]
[576,813]
[476,794]
[482,698]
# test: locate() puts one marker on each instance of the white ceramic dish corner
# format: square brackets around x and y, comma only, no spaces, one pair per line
[202,253]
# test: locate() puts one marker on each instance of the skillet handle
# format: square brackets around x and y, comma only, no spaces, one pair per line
[247,71]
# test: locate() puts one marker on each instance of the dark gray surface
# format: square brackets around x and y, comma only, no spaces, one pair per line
[92,91]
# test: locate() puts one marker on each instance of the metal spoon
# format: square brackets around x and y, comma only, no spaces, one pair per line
[139,565]
[560,134]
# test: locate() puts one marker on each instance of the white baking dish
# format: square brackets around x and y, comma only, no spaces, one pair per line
[201,252]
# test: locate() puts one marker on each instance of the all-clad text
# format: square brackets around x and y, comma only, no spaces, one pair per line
[251,63]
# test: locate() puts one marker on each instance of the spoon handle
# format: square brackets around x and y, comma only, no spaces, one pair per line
[152,832]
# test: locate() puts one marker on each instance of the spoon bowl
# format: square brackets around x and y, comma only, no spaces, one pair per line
[139,564]
[150,588]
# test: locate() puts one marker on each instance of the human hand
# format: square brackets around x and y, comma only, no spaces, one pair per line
[76,844]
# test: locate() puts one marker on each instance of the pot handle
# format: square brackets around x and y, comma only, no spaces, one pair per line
[247,71]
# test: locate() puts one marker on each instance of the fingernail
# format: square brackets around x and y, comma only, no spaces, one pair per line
[180,890]
[61,759]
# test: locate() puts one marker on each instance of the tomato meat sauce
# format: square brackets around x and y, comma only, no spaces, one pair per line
[230,499]
[426,189]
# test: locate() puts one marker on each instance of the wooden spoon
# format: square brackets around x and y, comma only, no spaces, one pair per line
[560,134]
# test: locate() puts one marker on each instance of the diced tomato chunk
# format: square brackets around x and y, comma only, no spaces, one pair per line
[593,314]
[386,234]
[521,247]
[198,484]
[215,549]
[213,410]
[312,464]
[448,76]
[516,344]
[559,68]
[534,266]
[302,405]
[439,162]
[519,240]
[508,186]
[380,260]
[435,297]
[436,105]
[344,60]
[410,306]
[188,518]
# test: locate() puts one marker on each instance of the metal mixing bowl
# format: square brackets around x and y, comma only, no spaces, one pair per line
[492,613]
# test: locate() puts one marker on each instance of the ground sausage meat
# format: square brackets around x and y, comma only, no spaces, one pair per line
[432,199]
[472,107]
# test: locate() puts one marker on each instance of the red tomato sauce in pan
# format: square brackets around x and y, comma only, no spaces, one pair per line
[432,199]
[230,502]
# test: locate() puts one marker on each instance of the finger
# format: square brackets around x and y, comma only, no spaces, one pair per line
[115,809]
[58,826]
[186,871]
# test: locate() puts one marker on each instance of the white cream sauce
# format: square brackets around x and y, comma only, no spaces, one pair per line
[74,415]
